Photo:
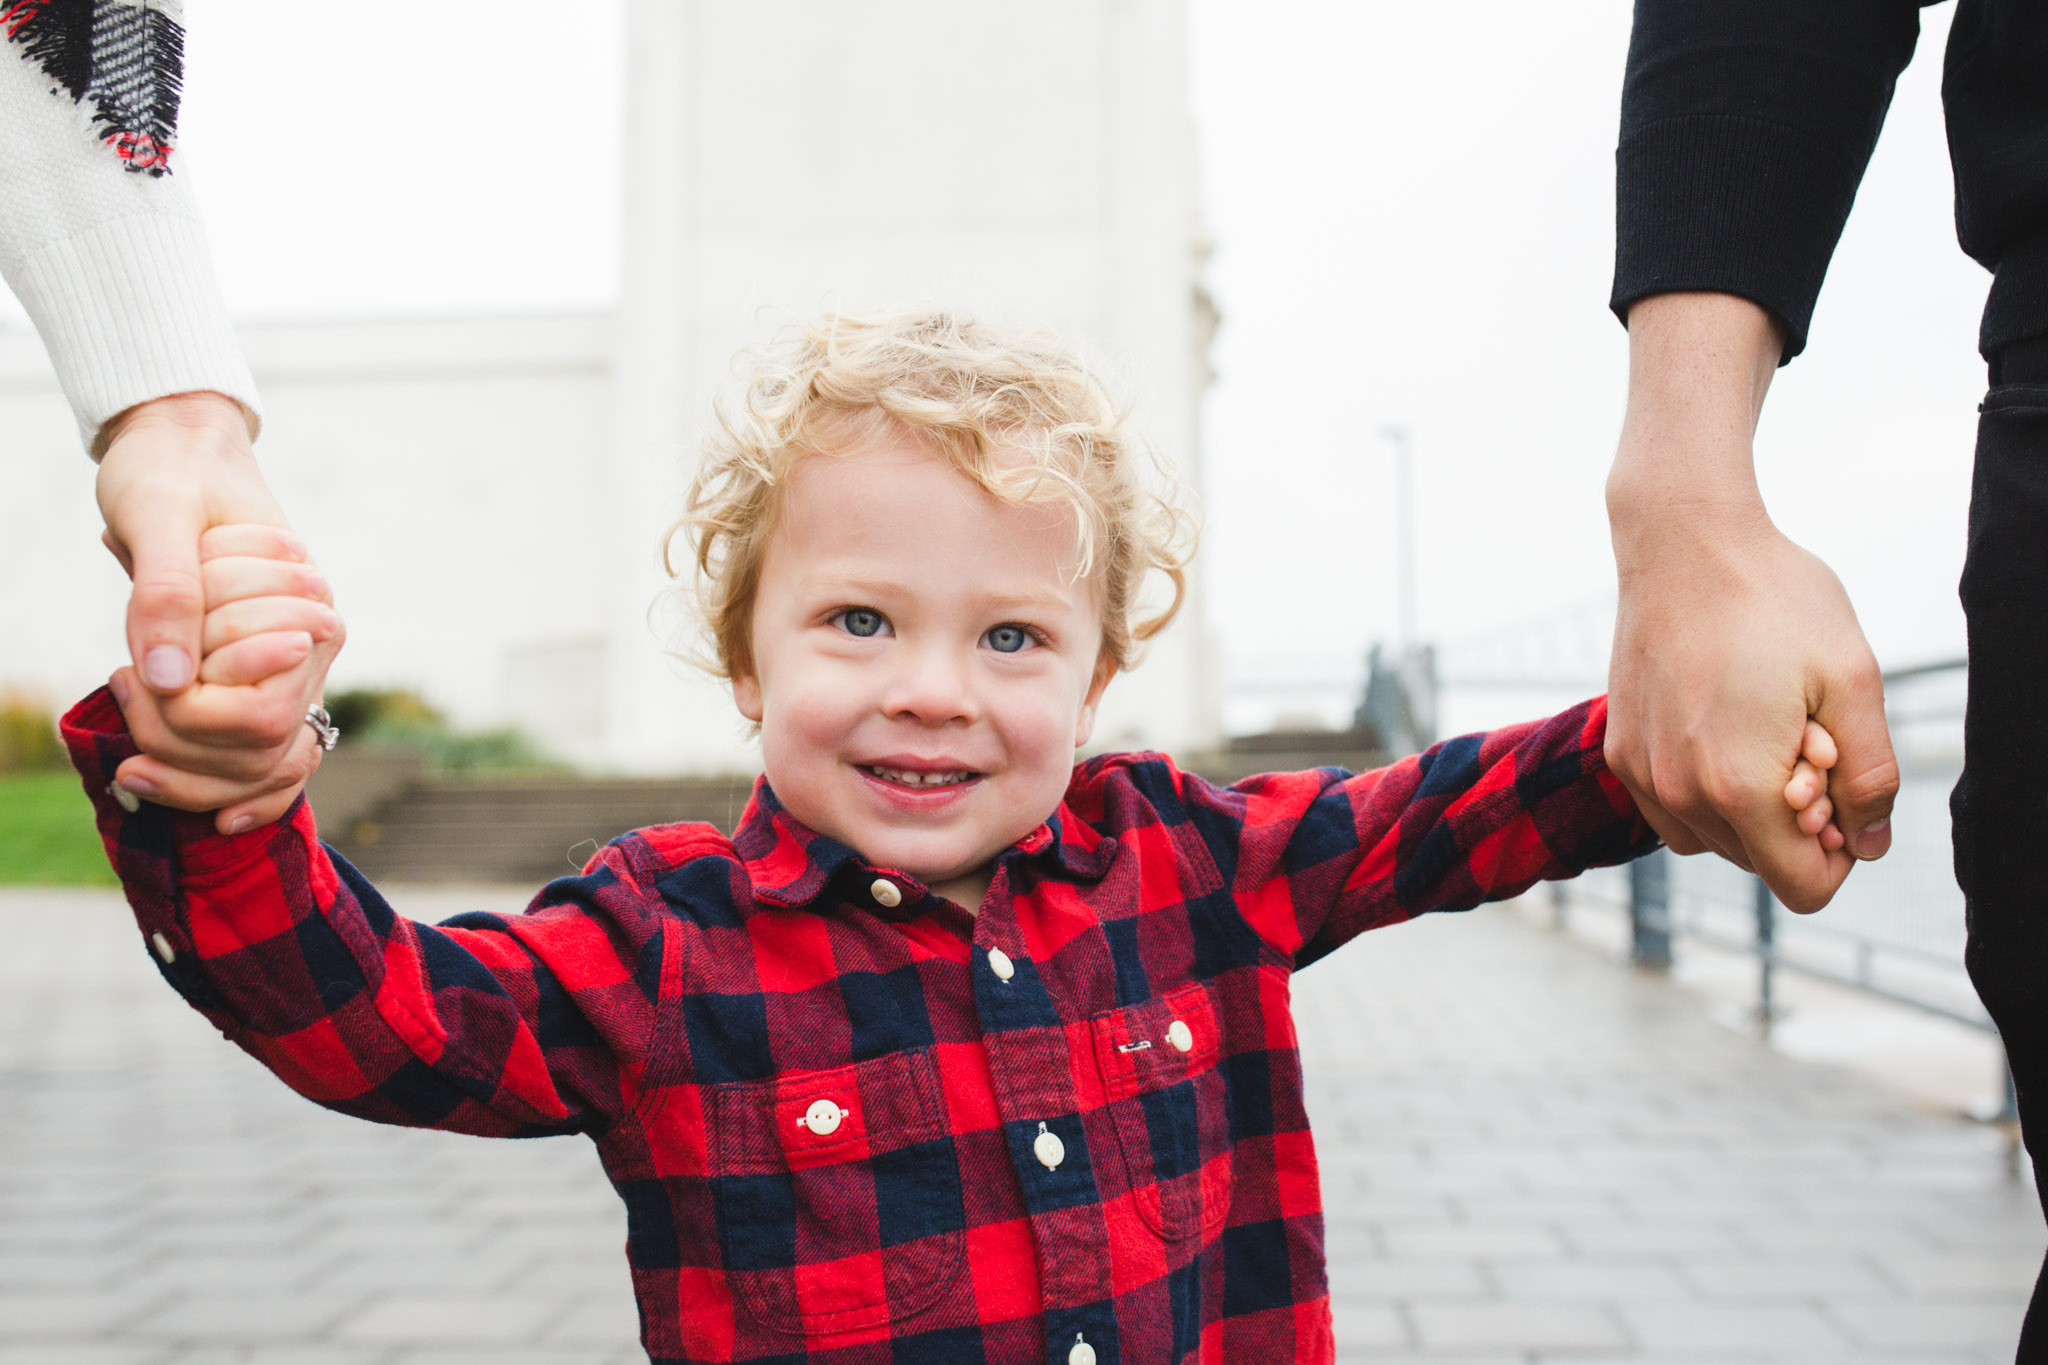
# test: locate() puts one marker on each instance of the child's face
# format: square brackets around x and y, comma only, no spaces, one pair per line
[923,667]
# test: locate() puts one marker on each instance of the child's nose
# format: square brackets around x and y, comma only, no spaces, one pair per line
[933,687]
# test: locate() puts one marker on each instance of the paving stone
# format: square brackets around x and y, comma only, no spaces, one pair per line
[69,1314]
[1924,1274]
[436,1319]
[1409,1281]
[1890,1326]
[1455,1242]
[1800,1332]
[1532,1326]
[1583,1281]
[1782,1277]
[236,1317]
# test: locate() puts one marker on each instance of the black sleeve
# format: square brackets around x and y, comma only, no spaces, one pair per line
[1745,128]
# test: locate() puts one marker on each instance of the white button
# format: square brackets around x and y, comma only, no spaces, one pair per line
[885,893]
[1180,1035]
[1082,1354]
[822,1118]
[163,947]
[999,963]
[125,799]
[1048,1148]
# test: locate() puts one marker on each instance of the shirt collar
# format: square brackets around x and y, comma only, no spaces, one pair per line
[791,865]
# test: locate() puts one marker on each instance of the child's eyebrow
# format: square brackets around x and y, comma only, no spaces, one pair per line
[1025,601]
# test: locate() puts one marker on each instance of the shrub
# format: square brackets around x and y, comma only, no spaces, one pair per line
[28,735]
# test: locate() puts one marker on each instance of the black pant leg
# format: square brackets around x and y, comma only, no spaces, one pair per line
[2000,808]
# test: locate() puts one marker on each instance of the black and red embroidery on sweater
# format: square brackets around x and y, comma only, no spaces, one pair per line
[123,58]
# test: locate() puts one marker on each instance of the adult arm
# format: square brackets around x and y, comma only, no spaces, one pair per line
[104,247]
[1745,130]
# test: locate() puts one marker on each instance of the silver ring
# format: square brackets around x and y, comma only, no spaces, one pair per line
[323,726]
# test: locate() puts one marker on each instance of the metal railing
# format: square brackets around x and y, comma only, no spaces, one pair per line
[1894,931]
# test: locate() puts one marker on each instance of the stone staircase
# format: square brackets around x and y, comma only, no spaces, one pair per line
[518,830]
[380,813]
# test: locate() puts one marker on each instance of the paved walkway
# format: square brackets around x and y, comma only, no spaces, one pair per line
[1531,1155]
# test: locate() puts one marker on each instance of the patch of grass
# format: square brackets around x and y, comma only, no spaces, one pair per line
[46,833]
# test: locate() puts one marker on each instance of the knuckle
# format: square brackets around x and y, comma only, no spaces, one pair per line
[167,594]
[1874,786]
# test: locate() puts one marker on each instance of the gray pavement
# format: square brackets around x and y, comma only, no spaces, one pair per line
[1530,1155]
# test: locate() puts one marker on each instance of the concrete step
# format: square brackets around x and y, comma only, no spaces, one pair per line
[523,830]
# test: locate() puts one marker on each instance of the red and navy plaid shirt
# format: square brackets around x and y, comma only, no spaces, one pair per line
[852,1122]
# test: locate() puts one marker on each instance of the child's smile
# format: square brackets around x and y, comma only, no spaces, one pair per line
[925,663]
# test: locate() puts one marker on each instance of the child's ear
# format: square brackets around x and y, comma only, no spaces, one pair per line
[1084,724]
[746,694]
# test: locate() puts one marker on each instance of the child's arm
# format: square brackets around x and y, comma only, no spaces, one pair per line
[1318,857]
[266,611]
[500,1025]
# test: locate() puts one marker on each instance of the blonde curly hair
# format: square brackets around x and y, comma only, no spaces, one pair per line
[973,395]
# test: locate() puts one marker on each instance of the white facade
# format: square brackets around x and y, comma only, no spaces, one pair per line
[488,495]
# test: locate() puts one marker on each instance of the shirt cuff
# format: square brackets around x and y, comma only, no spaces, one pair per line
[1729,204]
[129,311]
[158,852]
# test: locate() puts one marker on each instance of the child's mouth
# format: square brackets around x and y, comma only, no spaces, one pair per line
[902,777]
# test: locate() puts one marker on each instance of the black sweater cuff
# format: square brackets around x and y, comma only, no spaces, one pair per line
[1729,204]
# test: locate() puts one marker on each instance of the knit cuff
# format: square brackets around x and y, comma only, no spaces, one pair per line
[129,311]
[1732,205]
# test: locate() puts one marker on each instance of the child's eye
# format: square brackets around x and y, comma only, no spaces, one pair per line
[1007,639]
[861,621]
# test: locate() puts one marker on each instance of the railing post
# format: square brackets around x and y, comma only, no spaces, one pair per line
[1766,954]
[1649,912]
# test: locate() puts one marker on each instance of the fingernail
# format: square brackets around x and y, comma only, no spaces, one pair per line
[330,621]
[240,823]
[1875,838]
[118,685]
[167,668]
[139,786]
[124,798]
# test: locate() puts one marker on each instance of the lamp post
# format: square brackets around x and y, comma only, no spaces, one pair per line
[1396,436]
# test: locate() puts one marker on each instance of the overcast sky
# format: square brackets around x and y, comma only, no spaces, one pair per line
[1412,208]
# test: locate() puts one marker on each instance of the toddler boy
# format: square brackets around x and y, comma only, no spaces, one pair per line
[953,1051]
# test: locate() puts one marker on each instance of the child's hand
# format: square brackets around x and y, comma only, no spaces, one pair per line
[1807,792]
[267,621]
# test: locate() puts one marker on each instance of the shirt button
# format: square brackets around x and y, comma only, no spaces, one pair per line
[1180,1035]
[163,947]
[886,893]
[999,963]
[1050,1152]
[1082,1354]
[822,1118]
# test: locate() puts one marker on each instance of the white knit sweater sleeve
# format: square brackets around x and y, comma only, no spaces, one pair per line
[110,262]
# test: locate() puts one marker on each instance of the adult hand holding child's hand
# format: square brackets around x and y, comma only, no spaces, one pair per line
[268,637]
[1730,639]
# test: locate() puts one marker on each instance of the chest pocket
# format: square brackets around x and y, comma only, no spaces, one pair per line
[1168,1101]
[837,1194]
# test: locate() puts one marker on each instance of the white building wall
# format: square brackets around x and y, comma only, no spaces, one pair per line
[790,156]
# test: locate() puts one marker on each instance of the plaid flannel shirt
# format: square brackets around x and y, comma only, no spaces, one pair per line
[852,1122]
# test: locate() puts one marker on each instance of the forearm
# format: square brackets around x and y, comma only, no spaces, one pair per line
[1479,818]
[1700,366]
[108,257]
[305,967]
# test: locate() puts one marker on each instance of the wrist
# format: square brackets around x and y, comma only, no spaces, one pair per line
[201,411]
